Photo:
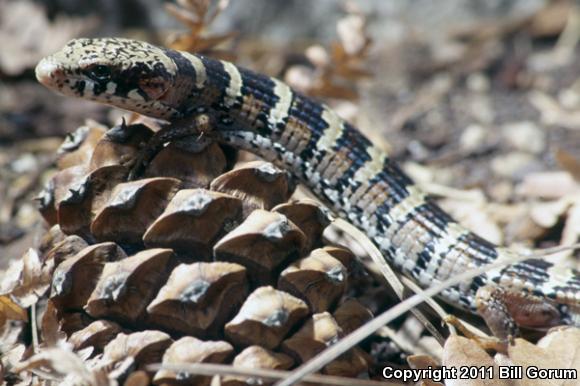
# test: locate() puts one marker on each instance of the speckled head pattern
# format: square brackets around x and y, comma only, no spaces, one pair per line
[115,71]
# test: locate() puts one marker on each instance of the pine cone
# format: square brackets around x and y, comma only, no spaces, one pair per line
[197,262]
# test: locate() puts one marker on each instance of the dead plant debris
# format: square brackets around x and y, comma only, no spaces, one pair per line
[485,118]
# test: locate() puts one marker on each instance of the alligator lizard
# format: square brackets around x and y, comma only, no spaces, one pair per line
[333,159]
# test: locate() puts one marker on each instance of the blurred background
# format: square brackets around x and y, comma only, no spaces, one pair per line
[479,100]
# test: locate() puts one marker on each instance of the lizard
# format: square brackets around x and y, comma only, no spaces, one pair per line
[355,179]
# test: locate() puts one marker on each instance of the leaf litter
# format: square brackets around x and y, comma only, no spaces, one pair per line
[536,202]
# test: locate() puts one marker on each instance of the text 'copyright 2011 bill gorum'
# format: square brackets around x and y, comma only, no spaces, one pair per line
[439,374]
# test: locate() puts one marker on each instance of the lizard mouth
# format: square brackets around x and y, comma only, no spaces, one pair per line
[51,74]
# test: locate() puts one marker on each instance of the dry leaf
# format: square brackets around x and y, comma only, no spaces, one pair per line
[10,358]
[138,378]
[58,360]
[11,311]
[560,349]
[50,329]
[551,20]
[475,217]
[462,352]
[548,185]
[26,279]
[423,362]
[546,214]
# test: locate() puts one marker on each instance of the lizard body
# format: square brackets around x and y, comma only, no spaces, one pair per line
[355,179]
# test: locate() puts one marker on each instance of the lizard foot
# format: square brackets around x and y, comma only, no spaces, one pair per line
[504,311]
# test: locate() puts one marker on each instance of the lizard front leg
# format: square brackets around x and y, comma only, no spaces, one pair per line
[194,126]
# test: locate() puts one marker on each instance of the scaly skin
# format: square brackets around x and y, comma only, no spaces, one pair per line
[342,168]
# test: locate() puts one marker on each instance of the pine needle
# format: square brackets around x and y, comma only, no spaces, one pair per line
[211,369]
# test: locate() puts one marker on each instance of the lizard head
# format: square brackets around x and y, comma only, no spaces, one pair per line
[125,73]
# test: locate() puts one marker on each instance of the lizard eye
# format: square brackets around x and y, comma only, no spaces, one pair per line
[100,72]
